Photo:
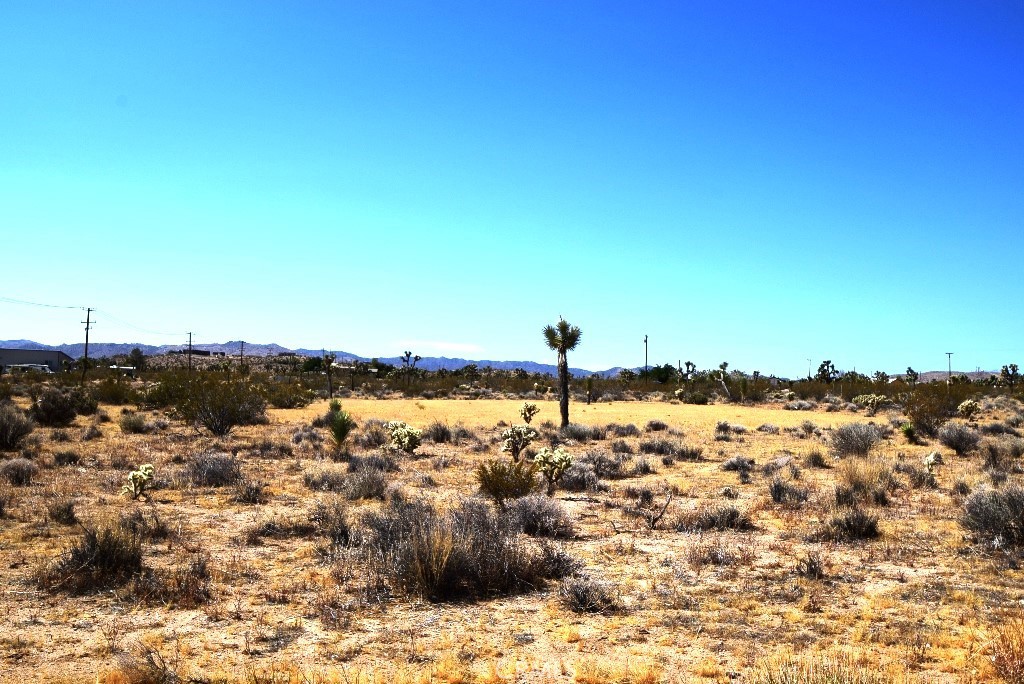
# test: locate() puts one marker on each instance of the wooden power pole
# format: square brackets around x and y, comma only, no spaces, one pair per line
[85,361]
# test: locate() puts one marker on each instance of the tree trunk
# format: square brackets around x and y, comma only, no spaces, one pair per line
[563,381]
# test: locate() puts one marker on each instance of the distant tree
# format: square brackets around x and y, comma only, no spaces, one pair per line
[1009,375]
[313,364]
[137,359]
[912,376]
[562,338]
[626,375]
[880,378]
[827,372]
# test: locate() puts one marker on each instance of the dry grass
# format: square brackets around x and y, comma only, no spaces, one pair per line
[712,594]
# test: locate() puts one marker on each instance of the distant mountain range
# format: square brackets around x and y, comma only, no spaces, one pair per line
[232,348]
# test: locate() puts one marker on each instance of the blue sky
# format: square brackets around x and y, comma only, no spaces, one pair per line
[757,183]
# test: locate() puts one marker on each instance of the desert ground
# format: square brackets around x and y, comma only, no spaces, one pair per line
[678,599]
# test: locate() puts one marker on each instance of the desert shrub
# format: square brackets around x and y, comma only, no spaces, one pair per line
[102,558]
[438,432]
[1007,650]
[92,432]
[854,439]
[136,523]
[919,477]
[581,477]
[689,453]
[998,429]
[996,516]
[581,433]
[738,463]
[221,405]
[14,426]
[818,669]
[799,405]
[815,459]
[62,510]
[382,462]
[211,469]
[783,492]
[542,516]
[643,467]
[768,429]
[185,586]
[968,409]
[373,435]
[582,594]
[864,481]
[287,395]
[959,438]
[250,492]
[366,483]
[114,391]
[606,467]
[658,447]
[331,519]
[695,398]
[133,423]
[628,430]
[403,436]
[811,566]
[278,527]
[18,471]
[516,439]
[54,408]
[708,518]
[621,446]
[65,457]
[851,525]
[325,479]
[656,426]
[719,550]
[466,551]
[505,480]
[927,407]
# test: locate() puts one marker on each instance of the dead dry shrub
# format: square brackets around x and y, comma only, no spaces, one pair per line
[582,594]
[102,558]
[959,437]
[1007,649]
[815,669]
[717,518]
[996,516]
[864,481]
[212,469]
[18,471]
[542,516]
[854,439]
[466,551]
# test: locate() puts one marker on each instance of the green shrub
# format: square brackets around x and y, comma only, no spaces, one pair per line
[14,426]
[220,405]
[287,395]
[114,391]
[927,407]
[134,423]
[54,408]
[340,424]
[505,480]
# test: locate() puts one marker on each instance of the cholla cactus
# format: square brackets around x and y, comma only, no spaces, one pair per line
[528,411]
[138,481]
[968,409]
[517,438]
[872,402]
[553,463]
[931,460]
[404,437]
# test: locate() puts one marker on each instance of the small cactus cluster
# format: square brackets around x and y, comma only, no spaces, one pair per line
[139,481]
[404,437]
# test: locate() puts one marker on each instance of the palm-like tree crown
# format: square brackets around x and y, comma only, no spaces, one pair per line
[562,337]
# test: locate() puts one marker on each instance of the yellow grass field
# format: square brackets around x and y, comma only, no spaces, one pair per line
[920,603]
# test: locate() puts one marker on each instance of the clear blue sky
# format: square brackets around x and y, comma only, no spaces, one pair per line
[758,183]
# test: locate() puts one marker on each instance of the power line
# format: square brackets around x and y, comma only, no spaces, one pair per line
[12,300]
[136,327]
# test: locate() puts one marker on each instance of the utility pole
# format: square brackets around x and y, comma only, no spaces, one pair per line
[85,361]
[190,352]
[241,355]
[949,370]
[646,375]
[808,369]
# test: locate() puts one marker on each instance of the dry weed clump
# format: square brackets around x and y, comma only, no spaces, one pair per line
[14,426]
[817,669]
[1007,649]
[854,439]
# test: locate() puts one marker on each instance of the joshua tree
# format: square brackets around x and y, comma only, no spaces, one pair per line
[562,338]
